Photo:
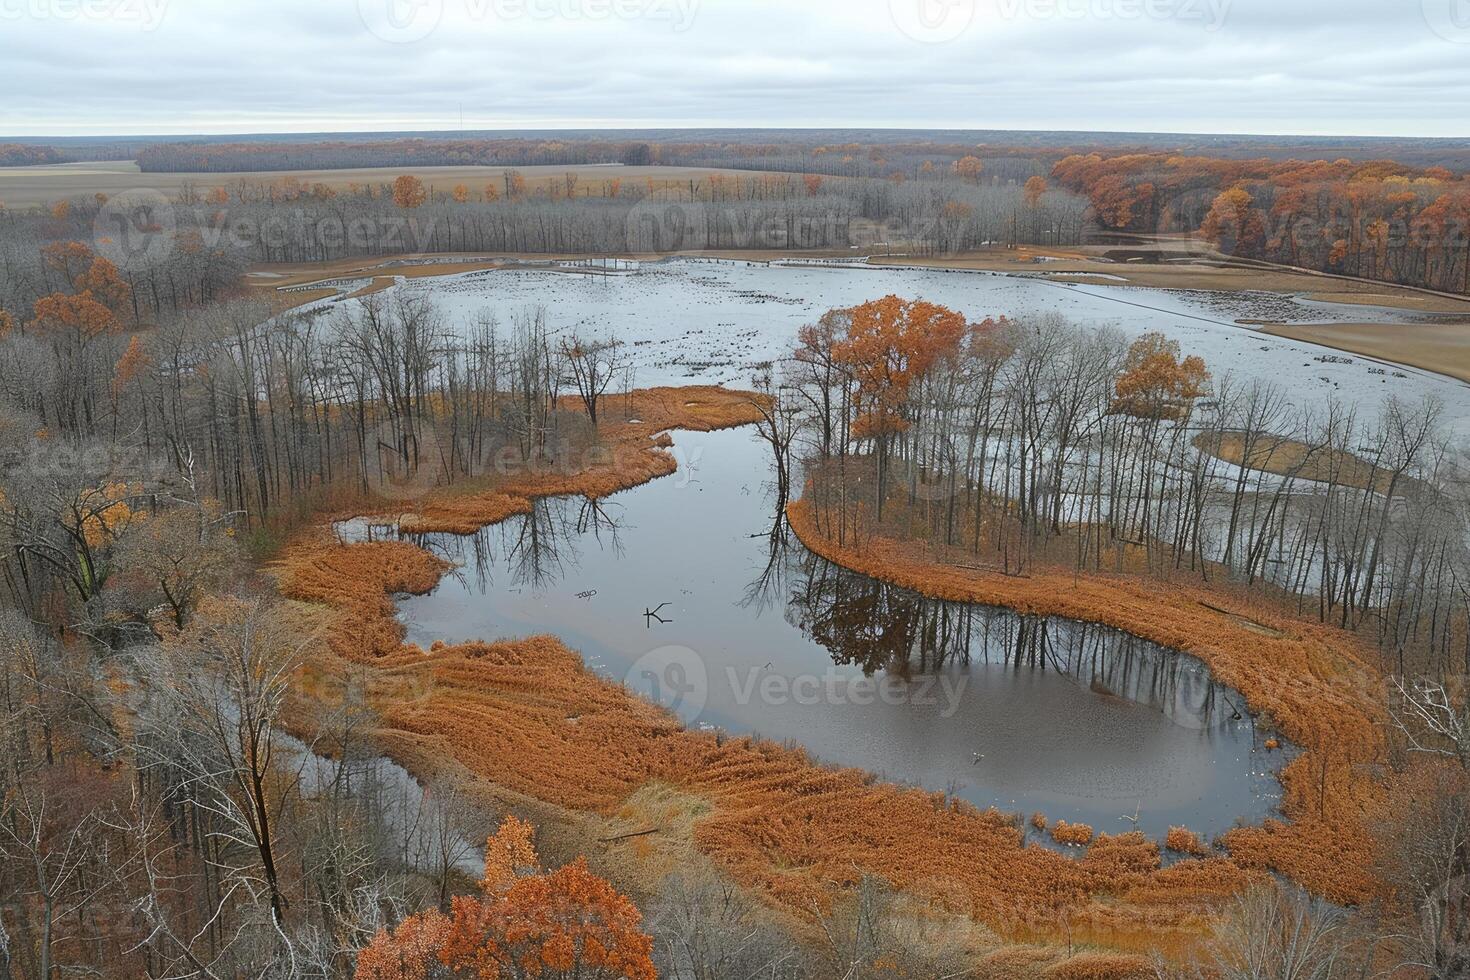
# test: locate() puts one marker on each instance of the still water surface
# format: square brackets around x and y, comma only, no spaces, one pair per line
[751,636]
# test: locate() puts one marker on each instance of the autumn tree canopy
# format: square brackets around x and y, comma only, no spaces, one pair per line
[890,344]
[559,924]
[1154,382]
[408,191]
[968,168]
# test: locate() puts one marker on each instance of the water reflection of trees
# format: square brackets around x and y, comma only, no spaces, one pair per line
[875,626]
[532,550]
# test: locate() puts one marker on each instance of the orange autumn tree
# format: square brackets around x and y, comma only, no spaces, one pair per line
[1034,189]
[1155,383]
[1234,224]
[528,923]
[408,192]
[968,168]
[891,346]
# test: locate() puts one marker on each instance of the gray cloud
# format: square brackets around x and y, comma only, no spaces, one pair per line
[1392,67]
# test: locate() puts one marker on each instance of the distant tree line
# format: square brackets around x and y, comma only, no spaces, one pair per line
[174,255]
[1378,219]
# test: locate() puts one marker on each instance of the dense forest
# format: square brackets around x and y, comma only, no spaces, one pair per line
[1376,219]
[25,155]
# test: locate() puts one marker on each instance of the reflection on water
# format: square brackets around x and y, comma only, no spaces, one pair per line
[878,627]
[685,591]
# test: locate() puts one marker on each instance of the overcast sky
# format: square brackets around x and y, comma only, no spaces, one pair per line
[1368,67]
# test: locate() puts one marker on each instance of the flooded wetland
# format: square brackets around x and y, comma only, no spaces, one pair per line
[679,589]
[688,591]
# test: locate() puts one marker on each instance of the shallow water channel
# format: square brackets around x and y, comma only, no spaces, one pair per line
[677,589]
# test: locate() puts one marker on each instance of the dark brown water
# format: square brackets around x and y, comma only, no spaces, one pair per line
[678,589]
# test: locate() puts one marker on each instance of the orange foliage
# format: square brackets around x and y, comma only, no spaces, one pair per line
[1234,224]
[129,366]
[508,852]
[408,191]
[968,168]
[82,315]
[68,258]
[1155,382]
[1185,841]
[106,513]
[566,923]
[1035,188]
[1079,834]
[102,282]
[892,343]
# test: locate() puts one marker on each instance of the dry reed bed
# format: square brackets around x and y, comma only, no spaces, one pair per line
[527,715]
[1315,682]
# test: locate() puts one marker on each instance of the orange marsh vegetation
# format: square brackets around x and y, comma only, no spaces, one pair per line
[1317,683]
[528,716]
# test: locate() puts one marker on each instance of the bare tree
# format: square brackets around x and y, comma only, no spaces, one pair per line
[595,364]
